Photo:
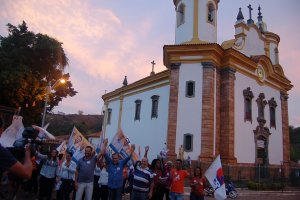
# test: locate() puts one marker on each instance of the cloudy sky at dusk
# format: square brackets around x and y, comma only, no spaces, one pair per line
[108,39]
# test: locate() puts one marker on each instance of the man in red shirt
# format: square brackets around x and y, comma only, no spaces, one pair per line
[177,181]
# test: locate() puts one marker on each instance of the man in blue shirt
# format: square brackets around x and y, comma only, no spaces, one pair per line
[115,172]
[84,175]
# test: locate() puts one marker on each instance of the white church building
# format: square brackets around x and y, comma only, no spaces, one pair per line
[229,99]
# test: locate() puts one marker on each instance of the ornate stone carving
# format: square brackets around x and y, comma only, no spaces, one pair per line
[272,103]
[262,133]
[248,94]
[261,103]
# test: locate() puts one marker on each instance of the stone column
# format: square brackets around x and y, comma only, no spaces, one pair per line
[208,108]
[285,134]
[173,107]
[227,115]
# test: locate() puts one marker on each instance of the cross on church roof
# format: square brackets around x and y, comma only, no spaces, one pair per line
[153,63]
[250,21]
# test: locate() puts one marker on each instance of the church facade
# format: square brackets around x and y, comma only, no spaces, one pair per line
[229,99]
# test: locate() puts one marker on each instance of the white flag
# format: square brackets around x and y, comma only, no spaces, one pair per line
[215,176]
[43,133]
[13,132]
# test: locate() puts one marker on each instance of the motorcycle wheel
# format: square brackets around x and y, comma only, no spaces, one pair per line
[233,194]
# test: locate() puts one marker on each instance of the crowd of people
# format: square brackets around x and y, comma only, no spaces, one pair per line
[103,176]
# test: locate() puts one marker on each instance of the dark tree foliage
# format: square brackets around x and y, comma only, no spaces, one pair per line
[295,143]
[28,62]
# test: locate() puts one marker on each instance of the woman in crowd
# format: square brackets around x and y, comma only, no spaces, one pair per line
[48,173]
[158,190]
[67,176]
[103,181]
[197,185]
[96,189]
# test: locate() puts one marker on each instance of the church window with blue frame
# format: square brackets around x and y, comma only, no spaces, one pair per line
[190,89]
[154,109]
[188,142]
[138,104]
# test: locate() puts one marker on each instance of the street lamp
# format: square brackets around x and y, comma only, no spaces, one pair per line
[49,89]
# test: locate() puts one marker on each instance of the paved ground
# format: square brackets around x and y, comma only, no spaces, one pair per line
[243,194]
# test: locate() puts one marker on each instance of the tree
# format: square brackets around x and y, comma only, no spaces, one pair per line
[294,143]
[28,62]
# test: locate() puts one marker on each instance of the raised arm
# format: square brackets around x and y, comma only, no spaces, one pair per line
[146,151]
[23,170]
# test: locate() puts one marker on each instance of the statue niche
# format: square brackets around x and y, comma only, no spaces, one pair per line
[261,137]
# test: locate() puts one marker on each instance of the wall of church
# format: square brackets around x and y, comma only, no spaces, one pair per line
[146,131]
[244,135]
[190,108]
[111,129]
[272,53]
[184,32]
[254,44]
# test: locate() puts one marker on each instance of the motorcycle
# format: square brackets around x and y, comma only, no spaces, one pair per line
[209,191]
[230,190]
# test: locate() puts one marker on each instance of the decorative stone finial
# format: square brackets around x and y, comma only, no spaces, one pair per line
[259,14]
[240,15]
[125,83]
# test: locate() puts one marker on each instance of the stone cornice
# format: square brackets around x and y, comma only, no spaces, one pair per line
[156,78]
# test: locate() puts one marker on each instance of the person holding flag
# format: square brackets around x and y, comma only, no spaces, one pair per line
[198,183]
[115,171]
[215,176]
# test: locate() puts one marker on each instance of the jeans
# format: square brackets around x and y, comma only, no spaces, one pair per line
[46,187]
[136,195]
[196,197]
[115,194]
[176,196]
[87,188]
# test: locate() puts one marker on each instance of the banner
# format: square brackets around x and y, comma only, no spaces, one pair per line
[61,149]
[121,144]
[99,144]
[13,132]
[76,144]
[215,176]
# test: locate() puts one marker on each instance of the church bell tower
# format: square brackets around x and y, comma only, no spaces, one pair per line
[196,21]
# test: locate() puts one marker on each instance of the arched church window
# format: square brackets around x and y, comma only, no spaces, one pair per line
[272,107]
[211,12]
[180,14]
[154,109]
[276,55]
[137,114]
[188,142]
[190,89]
[248,96]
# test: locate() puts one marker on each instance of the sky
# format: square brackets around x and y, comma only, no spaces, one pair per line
[106,40]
